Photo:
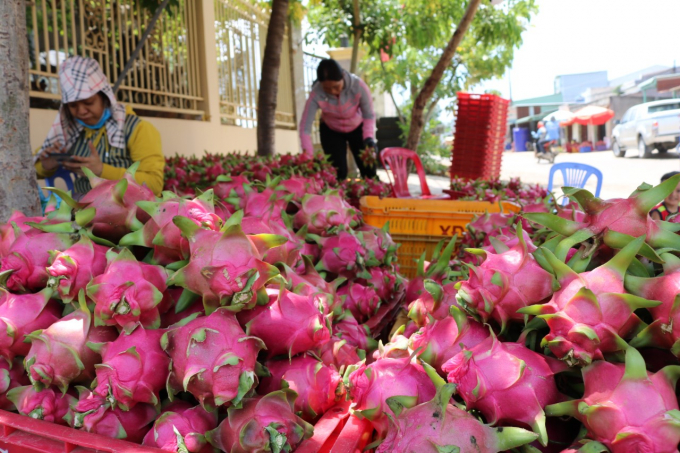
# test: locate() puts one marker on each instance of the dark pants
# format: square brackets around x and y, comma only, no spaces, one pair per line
[335,147]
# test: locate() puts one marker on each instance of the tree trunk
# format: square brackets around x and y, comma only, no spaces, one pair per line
[140,45]
[18,184]
[269,81]
[357,37]
[417,121]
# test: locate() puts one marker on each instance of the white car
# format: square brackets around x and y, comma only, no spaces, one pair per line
[649,126]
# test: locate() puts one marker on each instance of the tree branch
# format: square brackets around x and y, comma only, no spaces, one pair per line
[389,90]
[431,83]
[140,44]
[357,37]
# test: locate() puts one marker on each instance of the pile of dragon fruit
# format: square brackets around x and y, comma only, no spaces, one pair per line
[192,175]
[493,190]
[232,320]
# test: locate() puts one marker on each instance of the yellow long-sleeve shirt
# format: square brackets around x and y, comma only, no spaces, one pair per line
[143,145]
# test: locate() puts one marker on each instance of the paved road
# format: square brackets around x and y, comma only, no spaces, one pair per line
[620,175]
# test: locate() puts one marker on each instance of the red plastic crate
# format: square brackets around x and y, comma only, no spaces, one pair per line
[21,434]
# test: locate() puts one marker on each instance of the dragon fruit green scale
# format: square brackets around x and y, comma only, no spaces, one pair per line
[212,358]
[226,266]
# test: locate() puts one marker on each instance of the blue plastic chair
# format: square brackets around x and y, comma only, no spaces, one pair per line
[66,176]
[575,175]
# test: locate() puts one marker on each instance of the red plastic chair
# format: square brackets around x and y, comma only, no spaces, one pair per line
[397,160]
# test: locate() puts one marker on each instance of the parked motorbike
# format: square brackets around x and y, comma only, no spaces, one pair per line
[548,153]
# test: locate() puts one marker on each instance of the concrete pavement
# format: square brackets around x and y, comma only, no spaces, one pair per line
[621,176]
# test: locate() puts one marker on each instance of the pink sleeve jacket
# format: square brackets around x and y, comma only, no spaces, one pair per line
[342,114]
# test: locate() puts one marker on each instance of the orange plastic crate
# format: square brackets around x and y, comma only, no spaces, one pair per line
[418,225]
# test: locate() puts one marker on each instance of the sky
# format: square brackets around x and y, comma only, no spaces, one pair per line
[573,36]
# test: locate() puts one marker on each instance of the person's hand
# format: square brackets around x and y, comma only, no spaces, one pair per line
[50,163]
[77,163]
[369,142]
[309,153]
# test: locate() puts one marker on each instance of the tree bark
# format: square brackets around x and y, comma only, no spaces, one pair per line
[18,184]
[357,37]
[417,121]
[269,81]
[140,45]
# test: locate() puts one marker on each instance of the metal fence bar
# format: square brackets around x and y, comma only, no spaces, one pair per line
[165,78]
[311,62]
[241,30]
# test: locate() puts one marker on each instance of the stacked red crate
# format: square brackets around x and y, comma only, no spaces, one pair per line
[480,136]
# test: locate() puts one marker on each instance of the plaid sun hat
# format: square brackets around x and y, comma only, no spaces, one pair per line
[81,78]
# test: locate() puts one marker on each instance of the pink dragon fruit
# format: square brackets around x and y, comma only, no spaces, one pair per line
[504,283]
[442,339]
[12,375]
[493,376]
[506,240]
[322,213]
[357,335]
[438,269]
[59,354]
[370,386]
[337,353]
[212,358]
[396,348]
[379,245]
[226,267]
[289,252]
[616,221]
[490,223]
[94,414]
[361,300]
[649,421]
[161,234]
[128,292]
[230,186]
[21,315]
[72,269]
[181,428]
[664,331]
[134,368]
[589,315]
[433,304]
[264,423]
[298,187]
[437,426]
[110,206]
[319,387]
[23,268]
[268,205]
[308,282]
[44,404]
[17,220]
[290,325]
[386,281]
[341,254]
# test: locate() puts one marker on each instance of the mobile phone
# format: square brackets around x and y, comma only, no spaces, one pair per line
[61,157]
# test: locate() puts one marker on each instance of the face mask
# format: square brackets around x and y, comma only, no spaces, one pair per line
[105,117]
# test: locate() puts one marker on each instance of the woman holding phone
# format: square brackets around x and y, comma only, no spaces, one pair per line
[94,131]
[346,118]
